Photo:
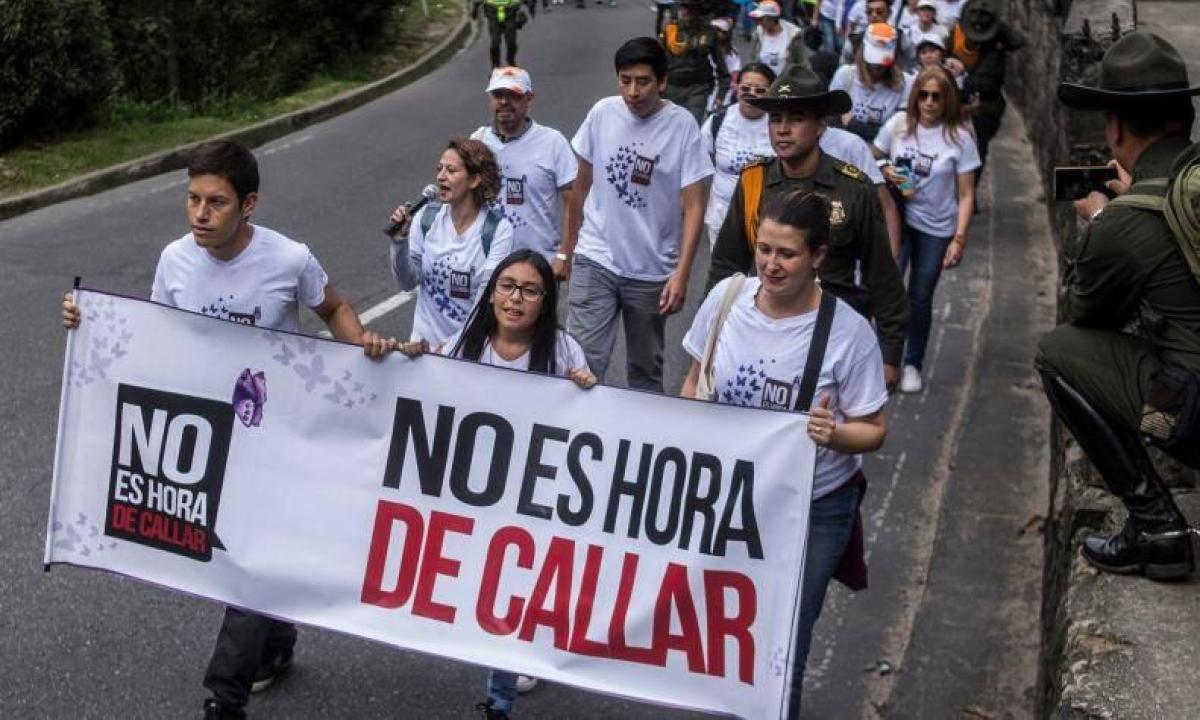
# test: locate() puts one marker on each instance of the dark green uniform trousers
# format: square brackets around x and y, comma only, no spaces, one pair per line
[1112,370]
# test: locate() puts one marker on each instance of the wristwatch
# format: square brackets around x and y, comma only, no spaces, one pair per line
[562,256]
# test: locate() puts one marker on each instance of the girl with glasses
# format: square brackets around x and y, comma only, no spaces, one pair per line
[938,157]
[760,358]
[515,325]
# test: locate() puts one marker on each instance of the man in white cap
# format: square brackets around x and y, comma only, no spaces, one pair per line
[537,167]
[773,43]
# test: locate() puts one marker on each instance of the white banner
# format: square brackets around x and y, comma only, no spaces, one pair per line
[619,541]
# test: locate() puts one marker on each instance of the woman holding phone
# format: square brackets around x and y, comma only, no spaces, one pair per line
[931,139]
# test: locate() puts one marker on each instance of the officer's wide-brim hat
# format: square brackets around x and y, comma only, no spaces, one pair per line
[799,88]
[1139,68]
[980,20]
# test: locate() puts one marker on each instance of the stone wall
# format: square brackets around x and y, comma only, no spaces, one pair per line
[1112,647]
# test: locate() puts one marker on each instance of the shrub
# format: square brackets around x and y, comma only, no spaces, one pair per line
[56,67]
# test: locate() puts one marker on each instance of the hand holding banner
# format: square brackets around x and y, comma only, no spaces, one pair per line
[620,541]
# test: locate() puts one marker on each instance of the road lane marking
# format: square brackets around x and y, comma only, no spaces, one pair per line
[272,149]
[373,313]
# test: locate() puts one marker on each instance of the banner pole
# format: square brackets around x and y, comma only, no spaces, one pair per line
[58,439]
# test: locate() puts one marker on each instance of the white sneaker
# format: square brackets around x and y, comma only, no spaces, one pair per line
[526,684]
[910,380]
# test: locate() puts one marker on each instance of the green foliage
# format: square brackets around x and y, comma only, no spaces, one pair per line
[203,53]
[56,66]
[66,63]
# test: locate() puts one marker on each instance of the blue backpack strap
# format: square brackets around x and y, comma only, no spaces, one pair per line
[427,217]
[490,222]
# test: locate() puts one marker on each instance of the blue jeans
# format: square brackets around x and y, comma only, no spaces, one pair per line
[831,38]
[501,690]
[830,522]
[926,253]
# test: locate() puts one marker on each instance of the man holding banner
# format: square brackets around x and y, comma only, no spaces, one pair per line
[228,268]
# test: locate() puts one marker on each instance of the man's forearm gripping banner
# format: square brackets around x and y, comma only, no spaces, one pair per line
[619,541]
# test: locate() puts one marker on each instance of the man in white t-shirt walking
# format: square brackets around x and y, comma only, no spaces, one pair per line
[634,254]
[230,269]
[537,167]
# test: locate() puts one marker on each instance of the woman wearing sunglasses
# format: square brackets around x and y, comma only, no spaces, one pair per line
[933,159]
[736,138]
[514,325]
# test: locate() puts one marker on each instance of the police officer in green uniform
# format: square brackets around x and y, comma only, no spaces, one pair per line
[695,62]
[1105,383]
[504,18]
[859,267]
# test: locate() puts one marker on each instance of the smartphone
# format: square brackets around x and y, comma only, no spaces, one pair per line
[1073,183]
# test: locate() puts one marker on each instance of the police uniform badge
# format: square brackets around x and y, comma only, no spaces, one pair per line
[837,213]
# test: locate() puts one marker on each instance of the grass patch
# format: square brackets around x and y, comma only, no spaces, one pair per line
[130,131]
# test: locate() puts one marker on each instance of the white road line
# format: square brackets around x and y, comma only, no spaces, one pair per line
[371,314]
[272,149]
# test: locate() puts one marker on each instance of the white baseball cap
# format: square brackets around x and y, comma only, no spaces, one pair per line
[510,78]
[766,8]
[723,24]
[879,44]
[930,38]
[927,4]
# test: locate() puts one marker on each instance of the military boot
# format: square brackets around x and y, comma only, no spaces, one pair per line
[1155,540]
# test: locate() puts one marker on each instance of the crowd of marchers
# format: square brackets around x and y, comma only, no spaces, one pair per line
[833,172]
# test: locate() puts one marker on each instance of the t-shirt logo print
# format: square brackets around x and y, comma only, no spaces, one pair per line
[220,309]
[741,160]
[438,280]
[460,284]
[745,384]
[514,190]
[625,170]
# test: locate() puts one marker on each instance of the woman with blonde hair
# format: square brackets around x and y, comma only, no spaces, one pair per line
[933,160]
[451,248]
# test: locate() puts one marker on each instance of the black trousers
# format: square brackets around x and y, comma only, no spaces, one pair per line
[987,123]
[506,30]
[245,643]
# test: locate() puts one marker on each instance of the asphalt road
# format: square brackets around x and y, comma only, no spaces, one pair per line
[947,627]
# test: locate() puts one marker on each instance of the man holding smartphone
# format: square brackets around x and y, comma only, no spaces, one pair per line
[1113,389]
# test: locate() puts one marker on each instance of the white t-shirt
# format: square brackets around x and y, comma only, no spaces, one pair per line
[773,50]
[872,105]
[633,217]
[850,148]
[948,12]
[759,362]
[454,270]
[740,142]
[263,286]
[936,164]
[533,168]
[568,354]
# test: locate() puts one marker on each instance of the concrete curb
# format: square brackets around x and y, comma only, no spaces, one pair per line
[251,136]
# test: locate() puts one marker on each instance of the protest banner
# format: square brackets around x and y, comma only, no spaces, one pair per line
[615,540]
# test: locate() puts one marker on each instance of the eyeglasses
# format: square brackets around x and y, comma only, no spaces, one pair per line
[530,293]
[751,90]
[927,95]
[877,13]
